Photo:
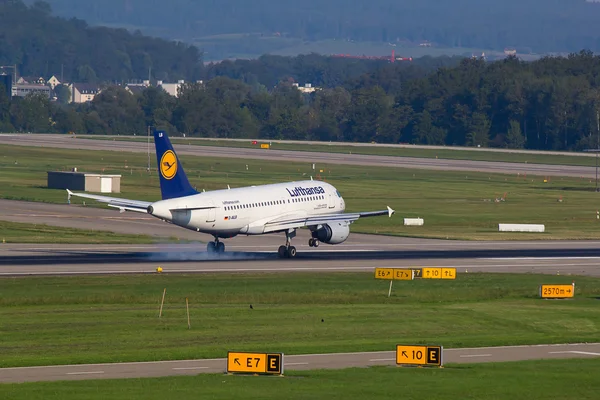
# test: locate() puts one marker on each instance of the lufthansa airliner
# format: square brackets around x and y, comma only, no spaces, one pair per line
[255,210]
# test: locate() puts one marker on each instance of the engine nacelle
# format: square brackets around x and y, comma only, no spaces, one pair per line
[334,233]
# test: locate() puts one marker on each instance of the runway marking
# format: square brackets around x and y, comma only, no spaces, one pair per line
[382,359]
[575,352]
[151,270]
[299,363]
[475,355]
[85,373]
[186,368]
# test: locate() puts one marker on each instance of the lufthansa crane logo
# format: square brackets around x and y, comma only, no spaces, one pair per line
[168,164]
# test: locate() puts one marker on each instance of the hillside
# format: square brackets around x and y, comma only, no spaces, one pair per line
[530,25]
[41,44]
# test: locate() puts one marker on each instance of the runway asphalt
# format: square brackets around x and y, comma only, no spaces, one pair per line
[257,253]
[295,362]
[70,142]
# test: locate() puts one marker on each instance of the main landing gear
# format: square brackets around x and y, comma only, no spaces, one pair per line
[287,251]
[216,246]
[312,242]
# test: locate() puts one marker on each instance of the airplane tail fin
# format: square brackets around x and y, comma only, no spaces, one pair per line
[173,181]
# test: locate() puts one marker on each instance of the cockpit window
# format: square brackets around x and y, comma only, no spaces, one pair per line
[338,194]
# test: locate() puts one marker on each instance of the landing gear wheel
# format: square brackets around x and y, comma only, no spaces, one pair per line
[315,243]
[291,252]
[211,247]
[311,242]
[220,247]
[282,252]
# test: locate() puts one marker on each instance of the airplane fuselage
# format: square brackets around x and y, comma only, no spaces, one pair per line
[227,213]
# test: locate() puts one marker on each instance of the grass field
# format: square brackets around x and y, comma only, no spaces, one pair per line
[86,319]
[455,205]
[451,154]
[13,232]
[549,380]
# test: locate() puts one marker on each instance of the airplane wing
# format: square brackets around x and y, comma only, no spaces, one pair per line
[300,222]
[121,204]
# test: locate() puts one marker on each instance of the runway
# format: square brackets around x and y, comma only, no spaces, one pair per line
[569,258]
[257,253]
[295,362]
[71,142]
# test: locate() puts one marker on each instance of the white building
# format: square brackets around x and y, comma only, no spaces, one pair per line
[83,92]
[23,89]
[307,88]
[171,88]
[53,82]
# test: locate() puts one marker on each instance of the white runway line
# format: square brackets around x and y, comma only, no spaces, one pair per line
[382,359]
[475,355]
[575,352]
[186,368]
[298,363]
[85,373]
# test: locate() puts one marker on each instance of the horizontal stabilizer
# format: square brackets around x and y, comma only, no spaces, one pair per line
[122,204]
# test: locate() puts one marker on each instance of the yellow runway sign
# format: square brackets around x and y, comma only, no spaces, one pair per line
[438,273]
[384,273]
[419,355]
[255,363]
[399,274]
[557,291]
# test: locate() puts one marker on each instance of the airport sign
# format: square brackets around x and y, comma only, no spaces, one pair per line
[399,274]
[255,363]
[557,291]
[384,273]
[418,272]
[419,355]
[438,273]
[403,274]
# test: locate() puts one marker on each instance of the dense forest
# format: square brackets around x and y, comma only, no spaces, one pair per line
[539,25]
[43,45]
[548,104]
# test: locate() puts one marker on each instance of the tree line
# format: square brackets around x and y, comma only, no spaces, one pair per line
[549,104]
[43,45]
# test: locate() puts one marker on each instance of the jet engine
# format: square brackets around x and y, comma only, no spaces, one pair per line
[333,233]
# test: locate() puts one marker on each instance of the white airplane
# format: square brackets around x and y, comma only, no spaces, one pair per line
[254,210]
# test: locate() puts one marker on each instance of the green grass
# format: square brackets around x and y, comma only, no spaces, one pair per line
[547,379]
[85,319]
[13,232]
[455,205]
[419,152]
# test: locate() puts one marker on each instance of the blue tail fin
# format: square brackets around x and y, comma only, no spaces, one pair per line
[173,181]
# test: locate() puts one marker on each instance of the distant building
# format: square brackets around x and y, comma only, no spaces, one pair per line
[307,88]
[53,82]
[7,80]
[23,89]
[32,80]
[83,92]
[136,88]
[510,51]
[171,88]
